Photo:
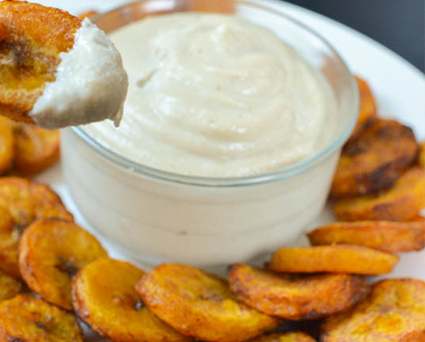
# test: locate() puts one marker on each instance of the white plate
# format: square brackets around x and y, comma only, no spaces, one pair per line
[398,86]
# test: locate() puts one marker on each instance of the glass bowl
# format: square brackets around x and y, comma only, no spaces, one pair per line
[152,216]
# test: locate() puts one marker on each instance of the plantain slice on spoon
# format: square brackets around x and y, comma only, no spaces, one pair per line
[104,297]
[375,160]
[296,297]
[25,318]
[56,70]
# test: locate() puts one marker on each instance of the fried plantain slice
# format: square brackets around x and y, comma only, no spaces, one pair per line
[418,218]
[33,38]
[28,149]
[47,204]
[9,244]
[284,337]
[402,202]
[9,286]
[375,160]
[387,236]
[333,259]
[296,297]
[200,305]
[104,296]
[27,201]
[21,202]
[422,155]
[367,108]
[25,318]
[51,252]
[7,153]
[16,197]
[35,149]
[395,312]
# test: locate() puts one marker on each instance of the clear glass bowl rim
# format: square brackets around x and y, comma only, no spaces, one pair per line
[274,176]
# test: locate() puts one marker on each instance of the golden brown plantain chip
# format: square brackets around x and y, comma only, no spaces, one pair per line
[21,202]
[9,286]
[27,319]
[422,155]
[284,337]
[395,312]
[367,108]
[36,149]
[375,160]
[51,252]
[9,244]
[27,149]
[33,38]
[296,297]
[402,202]
[16,197]
[28,201]
[104,297]
[200,305]
[418,218]
[387,236]
[333,259]
[47,204]
[6,146]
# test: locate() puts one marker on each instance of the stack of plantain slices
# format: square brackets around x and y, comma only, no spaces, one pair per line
[381,173]
[55,275]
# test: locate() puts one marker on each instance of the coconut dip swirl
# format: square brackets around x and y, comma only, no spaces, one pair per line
[215,95]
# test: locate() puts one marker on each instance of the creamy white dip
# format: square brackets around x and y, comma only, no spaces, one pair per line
[91,83]
[216,96]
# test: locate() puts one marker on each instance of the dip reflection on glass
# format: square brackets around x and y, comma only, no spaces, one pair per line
[216,96]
